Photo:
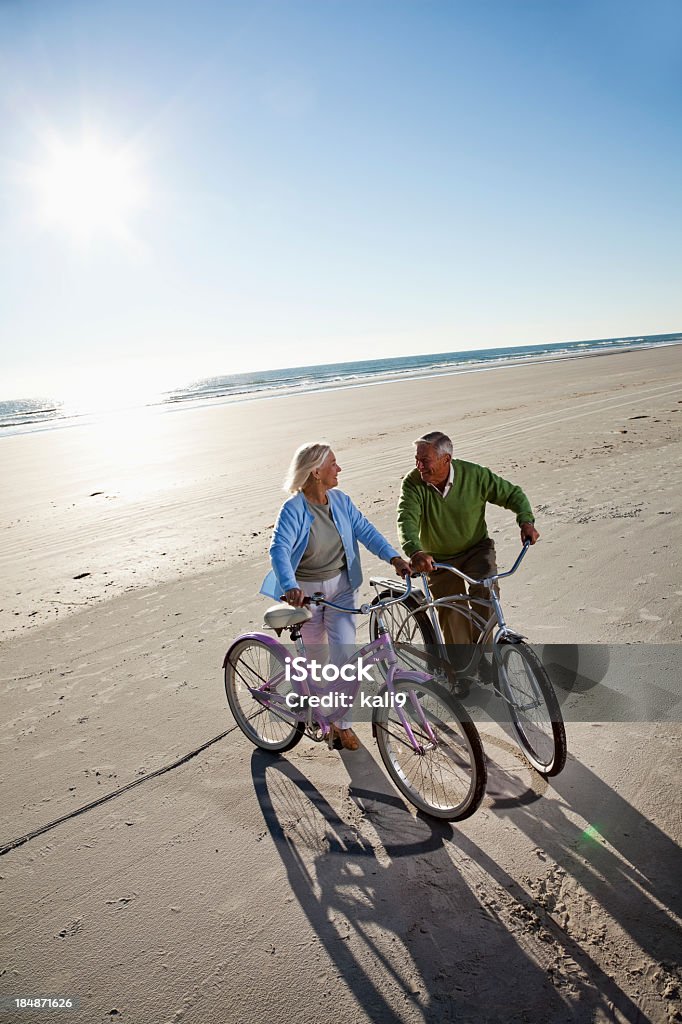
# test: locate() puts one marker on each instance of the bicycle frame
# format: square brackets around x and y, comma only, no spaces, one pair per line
[462,604]
[376,651]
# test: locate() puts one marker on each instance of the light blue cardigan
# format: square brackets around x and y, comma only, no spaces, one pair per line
[292,531]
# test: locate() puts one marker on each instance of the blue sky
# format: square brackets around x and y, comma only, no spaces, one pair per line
[333,180]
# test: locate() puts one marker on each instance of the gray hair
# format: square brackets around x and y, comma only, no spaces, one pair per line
[306,460]
[438,440]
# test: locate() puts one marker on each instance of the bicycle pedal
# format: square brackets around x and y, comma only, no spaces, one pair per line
[461,687]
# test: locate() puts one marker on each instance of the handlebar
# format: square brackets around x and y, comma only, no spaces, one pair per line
[488,579]
[364,609]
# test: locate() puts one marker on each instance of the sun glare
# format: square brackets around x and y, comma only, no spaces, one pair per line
[89,188]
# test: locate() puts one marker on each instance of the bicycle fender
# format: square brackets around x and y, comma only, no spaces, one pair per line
[275,646]
[508,636]
[412,677]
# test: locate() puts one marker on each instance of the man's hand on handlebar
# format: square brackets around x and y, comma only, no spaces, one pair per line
[401,567]
[295,597]
[421,562]
[529,533]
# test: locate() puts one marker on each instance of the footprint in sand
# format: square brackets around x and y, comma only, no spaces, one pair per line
[71,929]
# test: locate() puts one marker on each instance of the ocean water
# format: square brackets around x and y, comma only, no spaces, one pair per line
[27,415]
[329,375]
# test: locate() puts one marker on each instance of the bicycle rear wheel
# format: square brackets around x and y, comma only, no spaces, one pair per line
[266,721]
[410,629]
[446,776]
[533,707]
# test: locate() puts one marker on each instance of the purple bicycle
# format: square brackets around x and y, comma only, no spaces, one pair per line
[427,741]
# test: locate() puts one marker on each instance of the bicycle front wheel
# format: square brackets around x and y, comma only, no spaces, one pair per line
[265,719]
[533,707]
[443,772]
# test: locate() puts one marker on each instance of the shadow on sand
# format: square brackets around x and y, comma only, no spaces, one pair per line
[421,922]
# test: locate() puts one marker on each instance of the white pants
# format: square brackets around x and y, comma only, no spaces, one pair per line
[329,626]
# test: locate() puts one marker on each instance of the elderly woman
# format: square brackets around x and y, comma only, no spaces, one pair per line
[315,549]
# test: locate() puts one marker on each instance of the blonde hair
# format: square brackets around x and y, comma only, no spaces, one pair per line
[306,460]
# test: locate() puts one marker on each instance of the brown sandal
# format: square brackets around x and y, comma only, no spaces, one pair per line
[345,737]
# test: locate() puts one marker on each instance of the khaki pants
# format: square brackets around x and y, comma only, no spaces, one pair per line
[478,561]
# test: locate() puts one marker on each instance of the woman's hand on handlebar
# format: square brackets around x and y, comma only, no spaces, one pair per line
[401,567]
[295,597]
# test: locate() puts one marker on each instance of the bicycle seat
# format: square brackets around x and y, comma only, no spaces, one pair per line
[283,616]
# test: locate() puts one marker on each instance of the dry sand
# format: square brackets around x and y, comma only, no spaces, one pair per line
[239,888]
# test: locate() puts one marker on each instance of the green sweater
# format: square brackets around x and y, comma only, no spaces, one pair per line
[444,527]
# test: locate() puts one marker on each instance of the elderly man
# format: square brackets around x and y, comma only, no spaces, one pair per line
[441,518]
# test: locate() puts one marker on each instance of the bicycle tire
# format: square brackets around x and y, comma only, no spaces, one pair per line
[411,632]
[249,663]
[534,710]
[446,781]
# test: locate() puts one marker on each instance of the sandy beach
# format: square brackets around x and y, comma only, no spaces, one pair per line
[237,887]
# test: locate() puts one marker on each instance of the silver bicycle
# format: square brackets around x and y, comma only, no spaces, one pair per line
[518,675]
